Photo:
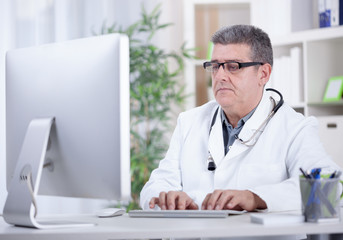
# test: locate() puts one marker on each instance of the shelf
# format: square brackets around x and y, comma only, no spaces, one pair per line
[317,34]
[325,104]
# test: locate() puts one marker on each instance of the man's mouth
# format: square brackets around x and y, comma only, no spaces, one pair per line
[224,89]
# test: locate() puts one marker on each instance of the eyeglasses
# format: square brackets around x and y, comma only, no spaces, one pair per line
[231,66]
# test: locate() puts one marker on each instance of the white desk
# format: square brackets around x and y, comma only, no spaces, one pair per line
[125,227]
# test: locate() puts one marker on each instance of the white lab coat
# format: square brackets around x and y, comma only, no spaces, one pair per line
[270,168]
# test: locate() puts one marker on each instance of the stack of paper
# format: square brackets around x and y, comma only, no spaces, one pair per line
[272,219]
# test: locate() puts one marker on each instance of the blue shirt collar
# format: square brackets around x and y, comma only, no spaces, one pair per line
[240,123]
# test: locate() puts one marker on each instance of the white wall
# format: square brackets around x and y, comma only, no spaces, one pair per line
[26,23]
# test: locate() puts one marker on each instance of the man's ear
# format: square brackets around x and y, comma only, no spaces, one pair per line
[264,73]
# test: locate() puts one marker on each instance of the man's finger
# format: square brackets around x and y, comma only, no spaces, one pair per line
[242,200]
[191,205]
[153,202]
[183,201]
[213,199]
[204,203]
[171,200]
[223,200]
[162,200]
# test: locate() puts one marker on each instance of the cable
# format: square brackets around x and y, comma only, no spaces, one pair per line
[30,186]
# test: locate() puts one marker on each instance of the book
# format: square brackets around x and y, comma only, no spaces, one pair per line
[324,13]
[276,219]
[296,79]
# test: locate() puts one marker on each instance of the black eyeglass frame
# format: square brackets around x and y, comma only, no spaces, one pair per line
[240,65]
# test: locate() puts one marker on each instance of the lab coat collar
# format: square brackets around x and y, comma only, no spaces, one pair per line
[216,142]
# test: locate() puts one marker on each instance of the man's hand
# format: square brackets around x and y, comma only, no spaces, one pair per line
[173,200]
[233,199]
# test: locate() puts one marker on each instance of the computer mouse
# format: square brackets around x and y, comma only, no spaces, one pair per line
[110,212]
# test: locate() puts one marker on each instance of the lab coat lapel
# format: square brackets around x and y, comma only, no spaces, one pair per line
[249,128]
[216,142]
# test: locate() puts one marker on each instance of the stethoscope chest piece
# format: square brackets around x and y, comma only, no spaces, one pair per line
[211,164]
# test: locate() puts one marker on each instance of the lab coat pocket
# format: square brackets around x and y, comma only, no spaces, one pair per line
[253,175]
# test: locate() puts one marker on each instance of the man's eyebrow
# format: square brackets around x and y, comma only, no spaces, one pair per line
[227,60]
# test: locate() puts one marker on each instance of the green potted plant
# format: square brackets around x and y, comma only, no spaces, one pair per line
[155,89]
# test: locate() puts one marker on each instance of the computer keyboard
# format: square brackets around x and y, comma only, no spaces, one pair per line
[183,213]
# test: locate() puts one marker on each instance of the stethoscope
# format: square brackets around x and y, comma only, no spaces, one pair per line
[211,163]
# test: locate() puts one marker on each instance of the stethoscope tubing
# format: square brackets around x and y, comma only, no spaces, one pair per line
[211,163]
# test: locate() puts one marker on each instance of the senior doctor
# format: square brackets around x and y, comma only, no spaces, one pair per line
[256,158]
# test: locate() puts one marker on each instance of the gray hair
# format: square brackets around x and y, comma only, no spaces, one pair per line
[257,39]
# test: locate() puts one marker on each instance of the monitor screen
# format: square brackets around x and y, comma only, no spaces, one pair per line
[83,85]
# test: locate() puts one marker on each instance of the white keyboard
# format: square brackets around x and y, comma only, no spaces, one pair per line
[183,213]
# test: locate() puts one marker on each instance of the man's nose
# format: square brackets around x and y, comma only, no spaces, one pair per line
[221,74]
[221,65]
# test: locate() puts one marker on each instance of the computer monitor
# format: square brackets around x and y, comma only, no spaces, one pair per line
[67,108]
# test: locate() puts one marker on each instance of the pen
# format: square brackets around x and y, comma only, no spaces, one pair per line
[333,174]
[305,174]
[315,173]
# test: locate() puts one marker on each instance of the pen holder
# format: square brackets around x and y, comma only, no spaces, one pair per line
[320,199]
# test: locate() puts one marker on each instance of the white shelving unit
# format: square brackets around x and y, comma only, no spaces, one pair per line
[321,59]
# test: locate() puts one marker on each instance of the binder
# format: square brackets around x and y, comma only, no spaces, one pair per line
[330,13]
[333,9]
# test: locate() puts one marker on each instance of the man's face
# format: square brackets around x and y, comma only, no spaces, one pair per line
[240,90]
